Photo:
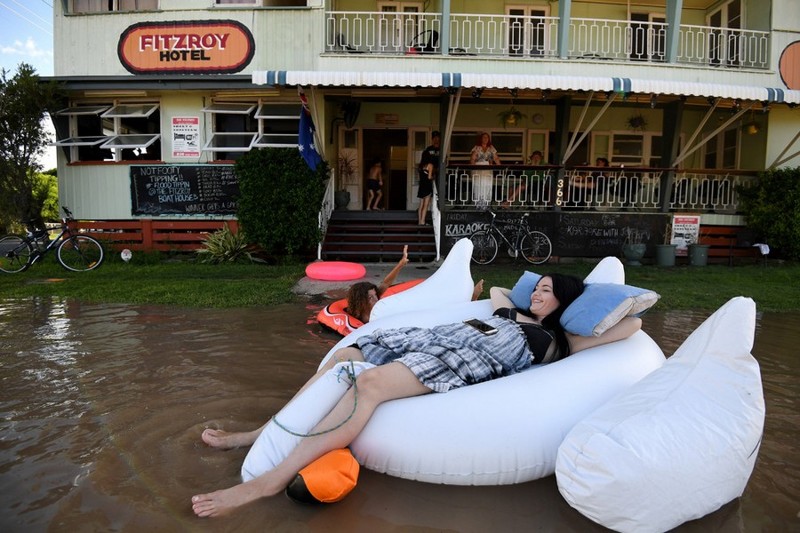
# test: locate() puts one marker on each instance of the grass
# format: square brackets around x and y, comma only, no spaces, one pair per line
[182,281]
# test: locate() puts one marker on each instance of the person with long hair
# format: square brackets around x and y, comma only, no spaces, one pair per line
[413,361]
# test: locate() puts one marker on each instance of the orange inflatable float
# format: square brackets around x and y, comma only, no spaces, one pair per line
[335,270]
[335,316]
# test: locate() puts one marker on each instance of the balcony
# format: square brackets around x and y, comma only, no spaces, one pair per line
[536,37]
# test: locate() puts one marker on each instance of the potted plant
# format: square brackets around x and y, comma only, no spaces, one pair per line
[665,252]
[511,116]
[347,168]
[634,246]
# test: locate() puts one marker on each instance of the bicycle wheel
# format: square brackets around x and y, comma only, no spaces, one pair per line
[15,254]
[484,247]
[80,253]
[536,247]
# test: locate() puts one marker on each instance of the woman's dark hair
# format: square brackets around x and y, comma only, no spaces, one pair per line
[566,289]
[358,299]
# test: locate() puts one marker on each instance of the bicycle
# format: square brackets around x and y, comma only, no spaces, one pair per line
[74,251]
[533,245]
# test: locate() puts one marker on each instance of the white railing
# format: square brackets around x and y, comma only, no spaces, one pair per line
[529,37]
[589,189]
[723,47]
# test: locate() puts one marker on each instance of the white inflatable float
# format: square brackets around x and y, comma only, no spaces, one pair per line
[499,432]
[680,443]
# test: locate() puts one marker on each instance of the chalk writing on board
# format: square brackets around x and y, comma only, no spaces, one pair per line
[183,189]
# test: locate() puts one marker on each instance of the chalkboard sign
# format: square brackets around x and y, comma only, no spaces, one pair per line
[183,190]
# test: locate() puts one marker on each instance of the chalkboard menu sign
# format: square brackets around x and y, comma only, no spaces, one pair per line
[183,190]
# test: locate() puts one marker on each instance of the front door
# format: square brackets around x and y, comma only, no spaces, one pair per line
[391,147]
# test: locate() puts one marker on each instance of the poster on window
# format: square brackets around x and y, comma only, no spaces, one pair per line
[685,231]
[186,137]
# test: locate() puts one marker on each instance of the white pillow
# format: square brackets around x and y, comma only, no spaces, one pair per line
[678,444]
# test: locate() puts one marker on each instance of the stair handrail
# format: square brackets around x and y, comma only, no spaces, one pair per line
[436,217]
[324,216]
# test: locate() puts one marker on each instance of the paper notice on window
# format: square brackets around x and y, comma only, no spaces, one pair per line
[685,231]
[186,137]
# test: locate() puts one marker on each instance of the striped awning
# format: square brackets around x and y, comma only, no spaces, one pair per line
[521,81]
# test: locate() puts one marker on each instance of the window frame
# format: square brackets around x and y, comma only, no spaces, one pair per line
[258,111]
[115,8]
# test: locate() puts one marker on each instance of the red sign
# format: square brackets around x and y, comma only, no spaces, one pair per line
[186,47]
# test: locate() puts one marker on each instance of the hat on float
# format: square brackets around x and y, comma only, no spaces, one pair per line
[327,480]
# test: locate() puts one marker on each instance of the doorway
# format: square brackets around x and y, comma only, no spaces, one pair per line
[391,147]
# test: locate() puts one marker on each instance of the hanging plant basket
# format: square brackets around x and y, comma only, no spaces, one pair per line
[637,122]
[511,117]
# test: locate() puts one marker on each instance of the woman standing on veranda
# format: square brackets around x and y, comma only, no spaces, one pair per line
[426,360]
[483,153]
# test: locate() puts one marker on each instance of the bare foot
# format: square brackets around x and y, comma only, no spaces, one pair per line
[477,291]
[217,438]
[222,502]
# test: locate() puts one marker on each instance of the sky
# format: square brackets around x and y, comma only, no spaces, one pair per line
[26,36]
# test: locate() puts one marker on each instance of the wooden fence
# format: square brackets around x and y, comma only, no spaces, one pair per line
[150,234]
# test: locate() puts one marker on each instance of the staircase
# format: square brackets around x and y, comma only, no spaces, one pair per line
[377,236]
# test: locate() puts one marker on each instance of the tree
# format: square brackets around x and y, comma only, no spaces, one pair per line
[24,101]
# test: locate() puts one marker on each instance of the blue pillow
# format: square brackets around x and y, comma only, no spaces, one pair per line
[604,304]
[521,293]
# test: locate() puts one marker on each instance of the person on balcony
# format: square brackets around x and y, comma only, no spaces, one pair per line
[535,160]
[483,153]
[428,171]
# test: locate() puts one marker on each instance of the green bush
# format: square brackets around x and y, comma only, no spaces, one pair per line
[772,209]
[279,202]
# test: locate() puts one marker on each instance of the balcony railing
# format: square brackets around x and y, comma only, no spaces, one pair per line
[531,37]
[589,189]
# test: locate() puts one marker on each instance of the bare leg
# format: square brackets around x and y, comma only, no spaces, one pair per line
[218,438]
[370,194]
[422,212]
[375,386]
[378,195]
[477,291]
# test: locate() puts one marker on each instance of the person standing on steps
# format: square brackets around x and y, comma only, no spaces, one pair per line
[428,171]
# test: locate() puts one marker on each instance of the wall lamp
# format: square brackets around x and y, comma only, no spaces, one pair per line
[653,101]
[476,93]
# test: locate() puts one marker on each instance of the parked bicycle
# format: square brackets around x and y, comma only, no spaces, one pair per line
[74,251]
[533,245]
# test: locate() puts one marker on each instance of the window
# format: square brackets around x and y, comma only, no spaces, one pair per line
[118,131]
[103,6]
[723,46]
[648,34]
[722,150]
[238,127]
[636,149]
[528,31]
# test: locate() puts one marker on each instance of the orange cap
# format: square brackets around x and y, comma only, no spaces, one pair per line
[328,479]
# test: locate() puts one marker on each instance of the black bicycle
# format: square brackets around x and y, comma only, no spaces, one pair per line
[533,245]
[74,251]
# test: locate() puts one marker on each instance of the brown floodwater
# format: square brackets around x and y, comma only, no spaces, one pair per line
[102,406]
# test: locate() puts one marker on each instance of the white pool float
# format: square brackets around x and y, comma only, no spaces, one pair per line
[499,432]
[678,444]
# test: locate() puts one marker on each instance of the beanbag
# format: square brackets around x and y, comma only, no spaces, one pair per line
[604,304]
[678,444]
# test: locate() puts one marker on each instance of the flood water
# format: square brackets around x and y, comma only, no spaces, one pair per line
[102,406]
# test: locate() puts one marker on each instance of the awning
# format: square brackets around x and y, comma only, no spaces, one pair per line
[522,81]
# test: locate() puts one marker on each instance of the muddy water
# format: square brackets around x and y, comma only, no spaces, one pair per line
[101,408]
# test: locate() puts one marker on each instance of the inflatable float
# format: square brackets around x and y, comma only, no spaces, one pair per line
[335,270]
[499,432]
[334,316]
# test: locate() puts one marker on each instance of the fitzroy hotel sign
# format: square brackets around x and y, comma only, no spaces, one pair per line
[186,47]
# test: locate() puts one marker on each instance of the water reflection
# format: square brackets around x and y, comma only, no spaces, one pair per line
[101,407]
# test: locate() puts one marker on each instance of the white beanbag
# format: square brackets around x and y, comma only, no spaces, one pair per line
[678,444]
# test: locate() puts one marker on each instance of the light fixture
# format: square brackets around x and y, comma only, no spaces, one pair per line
[514,92]
[476,93]
[545,94]
[653,101]
[711,100]
[764,106]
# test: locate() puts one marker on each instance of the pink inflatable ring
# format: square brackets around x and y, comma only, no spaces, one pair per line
[335,270]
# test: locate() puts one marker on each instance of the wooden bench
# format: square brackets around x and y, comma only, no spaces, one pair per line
[729,242]
[150,235]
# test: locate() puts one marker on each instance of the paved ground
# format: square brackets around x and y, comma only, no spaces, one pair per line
[335,290]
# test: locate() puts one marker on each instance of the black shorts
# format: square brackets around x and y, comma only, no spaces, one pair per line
[425,185]
[373,185]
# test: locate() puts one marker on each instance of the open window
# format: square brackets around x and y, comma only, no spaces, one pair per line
[115,131]
[238,127]
[105,6]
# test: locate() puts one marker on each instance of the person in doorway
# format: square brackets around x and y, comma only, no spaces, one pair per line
[428,172]
[413,361]
[375,185]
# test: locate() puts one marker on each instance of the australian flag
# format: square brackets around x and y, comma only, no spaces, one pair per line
[306,139]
